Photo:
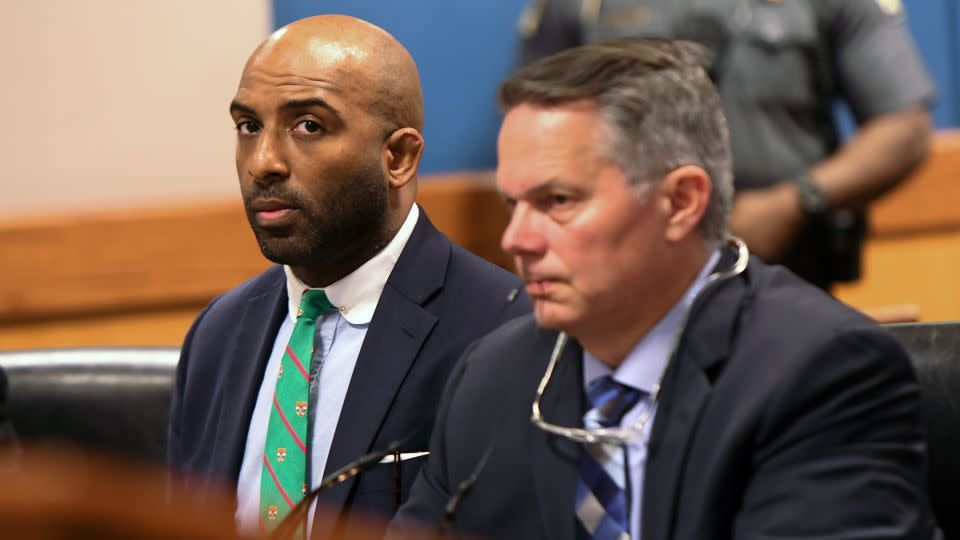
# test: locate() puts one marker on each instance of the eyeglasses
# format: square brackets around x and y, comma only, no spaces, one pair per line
[634,432]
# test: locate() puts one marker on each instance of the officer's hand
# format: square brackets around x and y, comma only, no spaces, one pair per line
[767,219]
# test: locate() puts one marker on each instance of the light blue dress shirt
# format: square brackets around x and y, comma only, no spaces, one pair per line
[642,369]
[338,338]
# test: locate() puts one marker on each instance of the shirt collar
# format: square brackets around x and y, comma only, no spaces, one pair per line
[356,295]
[644,364]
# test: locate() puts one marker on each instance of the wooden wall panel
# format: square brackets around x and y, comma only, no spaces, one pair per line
[77,265]
[919,271]
[913,255]
[139,276]
[927,201]
[162,327]
[468,209]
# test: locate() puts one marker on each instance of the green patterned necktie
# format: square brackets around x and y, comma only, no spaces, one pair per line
[283,481]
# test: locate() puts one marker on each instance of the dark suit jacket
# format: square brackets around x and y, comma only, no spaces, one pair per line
[783,414]
[438,299]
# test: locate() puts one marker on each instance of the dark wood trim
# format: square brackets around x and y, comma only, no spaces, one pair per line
[159,258]
[149,260]
[928,200]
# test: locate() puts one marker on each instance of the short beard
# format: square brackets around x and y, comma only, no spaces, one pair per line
[345,229]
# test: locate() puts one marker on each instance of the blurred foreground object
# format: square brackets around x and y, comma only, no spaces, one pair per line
[51,494]
[48,493]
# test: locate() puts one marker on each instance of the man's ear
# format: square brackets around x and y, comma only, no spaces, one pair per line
[402,151]
[686,190]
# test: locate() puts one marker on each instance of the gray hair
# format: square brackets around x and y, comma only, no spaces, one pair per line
[662,108]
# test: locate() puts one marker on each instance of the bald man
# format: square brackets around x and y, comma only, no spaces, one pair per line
[343,346]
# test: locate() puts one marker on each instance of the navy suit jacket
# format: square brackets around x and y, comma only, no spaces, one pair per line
[438,299]
[783,415]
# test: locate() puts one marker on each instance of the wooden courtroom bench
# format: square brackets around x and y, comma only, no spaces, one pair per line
[913,255]
[140,276]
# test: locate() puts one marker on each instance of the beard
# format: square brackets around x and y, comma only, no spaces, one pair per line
[346,227]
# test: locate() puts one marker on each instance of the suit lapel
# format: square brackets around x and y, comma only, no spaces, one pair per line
[686,389]
[247,357]
[555,459]
[399,327]
[666,452]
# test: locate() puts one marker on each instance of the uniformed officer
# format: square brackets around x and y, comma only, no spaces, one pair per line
[779,66]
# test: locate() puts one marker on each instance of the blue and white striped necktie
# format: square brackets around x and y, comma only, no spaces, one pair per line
[601,497]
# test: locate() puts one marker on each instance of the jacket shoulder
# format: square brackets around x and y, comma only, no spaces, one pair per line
[512,347]
[233,299]
[468,266]
[784,302]
[793,335]
[228,305]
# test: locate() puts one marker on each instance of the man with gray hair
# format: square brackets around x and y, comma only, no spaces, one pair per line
[667,384]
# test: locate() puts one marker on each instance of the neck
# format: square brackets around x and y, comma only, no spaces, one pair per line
[328,274]
[611,338]
[356,253]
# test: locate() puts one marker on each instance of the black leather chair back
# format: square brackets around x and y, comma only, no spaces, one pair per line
[935,350]
[112,399]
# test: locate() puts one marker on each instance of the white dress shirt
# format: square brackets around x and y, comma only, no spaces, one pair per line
[642,370]
[338,337]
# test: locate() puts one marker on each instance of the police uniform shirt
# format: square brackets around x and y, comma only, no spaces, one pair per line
[778,64]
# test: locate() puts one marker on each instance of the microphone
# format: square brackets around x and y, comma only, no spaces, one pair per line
[288,527]
[453,504]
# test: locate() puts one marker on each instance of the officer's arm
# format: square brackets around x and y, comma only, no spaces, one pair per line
[888,89]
